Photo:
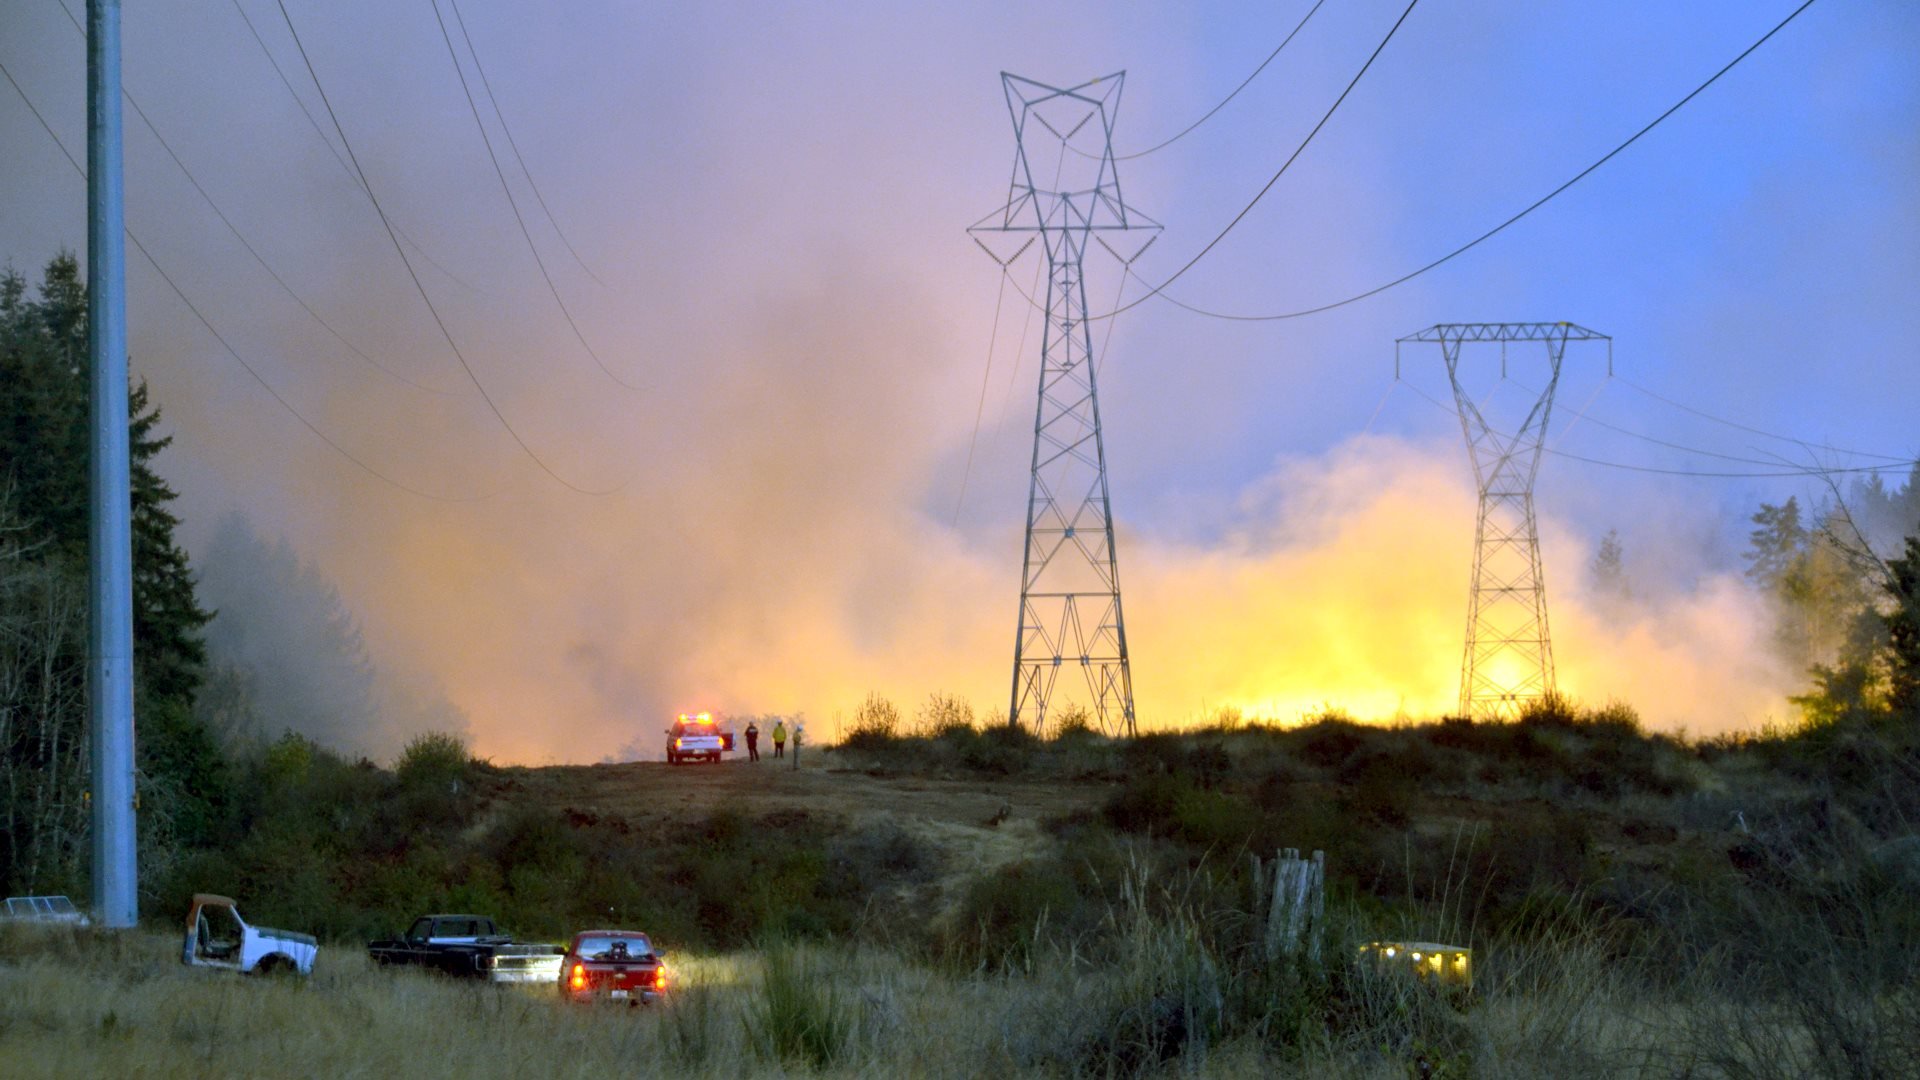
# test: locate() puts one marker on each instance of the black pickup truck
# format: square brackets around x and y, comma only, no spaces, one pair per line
[469,946]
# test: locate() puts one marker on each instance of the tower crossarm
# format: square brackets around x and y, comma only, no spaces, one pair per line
[1533,331]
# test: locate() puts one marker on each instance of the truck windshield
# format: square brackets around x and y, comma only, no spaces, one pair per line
[614,948]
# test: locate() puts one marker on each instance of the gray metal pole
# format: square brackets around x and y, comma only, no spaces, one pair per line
[110,619]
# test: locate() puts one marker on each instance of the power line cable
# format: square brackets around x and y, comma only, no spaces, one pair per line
[217,336]
[973,441]
[1754,430]
[518,218]
[1674,445]
[1490,233]
[1183,132]
[237,235]
[1026,326]
[1156,290]
[335,151]
[415,277]
[487,85]
[1797,472]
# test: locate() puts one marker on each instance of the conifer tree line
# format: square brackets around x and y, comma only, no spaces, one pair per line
[1843,582]
[181,777]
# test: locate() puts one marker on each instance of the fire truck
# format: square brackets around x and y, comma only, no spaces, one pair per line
[697,737]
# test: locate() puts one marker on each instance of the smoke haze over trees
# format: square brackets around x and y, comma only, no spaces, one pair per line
[286,655]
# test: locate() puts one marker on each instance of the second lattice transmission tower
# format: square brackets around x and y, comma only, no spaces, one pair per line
[1065,194]
[1509,655]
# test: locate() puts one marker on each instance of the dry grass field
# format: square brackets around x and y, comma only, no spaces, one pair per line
[100,1005]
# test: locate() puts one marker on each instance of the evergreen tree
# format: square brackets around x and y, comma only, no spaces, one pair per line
[1903,630]
[1609,572]
[44,452]
[1776,546]
[45,446]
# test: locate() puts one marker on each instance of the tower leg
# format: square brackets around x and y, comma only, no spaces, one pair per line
[1070,609]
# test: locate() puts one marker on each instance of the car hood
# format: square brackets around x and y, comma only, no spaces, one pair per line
[288,935]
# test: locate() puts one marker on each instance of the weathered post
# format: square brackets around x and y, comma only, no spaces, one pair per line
[1298,905]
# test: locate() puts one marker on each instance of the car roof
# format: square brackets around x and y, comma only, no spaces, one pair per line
[456,915]
[610,933]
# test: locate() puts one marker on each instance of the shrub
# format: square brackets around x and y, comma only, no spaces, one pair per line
[1328,743]
[1000,749]
[1001,922]
[1380,790]
[1146,804]
[864,862]
[1208,764]
[1160,752]
[1215,819]
[875,723]
[434,759]
[1072,722]
[943,713]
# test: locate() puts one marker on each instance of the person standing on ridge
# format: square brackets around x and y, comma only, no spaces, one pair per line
[779,738]
[753,741]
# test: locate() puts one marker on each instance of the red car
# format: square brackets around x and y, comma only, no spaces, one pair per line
[612,965]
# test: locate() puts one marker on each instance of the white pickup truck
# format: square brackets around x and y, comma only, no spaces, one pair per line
[217,937]
[697,737]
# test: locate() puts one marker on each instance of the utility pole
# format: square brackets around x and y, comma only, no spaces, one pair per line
[1070,612]
[1509,653]
[110,545]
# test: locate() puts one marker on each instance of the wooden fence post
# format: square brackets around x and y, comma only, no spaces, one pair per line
[1298,905]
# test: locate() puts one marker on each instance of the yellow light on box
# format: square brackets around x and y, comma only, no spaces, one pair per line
[1448,965]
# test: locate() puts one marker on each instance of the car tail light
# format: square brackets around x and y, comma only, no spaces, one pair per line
[660,977]
[579,980]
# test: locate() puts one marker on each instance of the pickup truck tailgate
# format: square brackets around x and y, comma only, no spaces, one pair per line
[525,964]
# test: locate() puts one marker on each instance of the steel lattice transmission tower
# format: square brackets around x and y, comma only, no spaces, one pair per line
[1070,613]
[1509,653]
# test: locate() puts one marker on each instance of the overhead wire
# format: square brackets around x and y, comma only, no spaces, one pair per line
[335,151]
[518,218]
[487,85]
[1485,236]
[221,338]
[1156,290]
[979,410]
[1208,115]
[1795,472]
[1630,384]
[445,332]
[1026,326]
[1643,437]
[244,242]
